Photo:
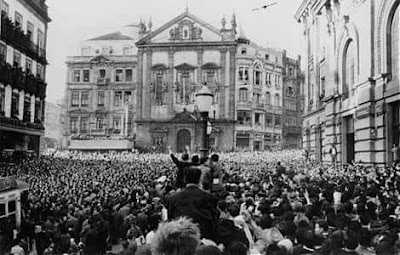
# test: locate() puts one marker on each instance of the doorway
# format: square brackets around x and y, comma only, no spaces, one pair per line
[349,122]
[183,139]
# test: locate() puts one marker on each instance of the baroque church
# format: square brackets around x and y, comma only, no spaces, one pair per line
[175,61]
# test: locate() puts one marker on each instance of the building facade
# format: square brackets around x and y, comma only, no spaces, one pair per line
[351,79]
[259,87]
[53,126]
[293,103]
[101,92]
[175,61]
[23,34]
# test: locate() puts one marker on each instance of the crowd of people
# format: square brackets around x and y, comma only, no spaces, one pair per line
[231,203]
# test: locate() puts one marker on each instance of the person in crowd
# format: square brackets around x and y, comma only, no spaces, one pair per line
[195,203]
[180,236]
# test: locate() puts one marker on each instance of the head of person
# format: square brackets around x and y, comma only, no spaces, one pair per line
[178,237]
[208,250]
[215,157]
[193,175]
[237,248]
[274,249]
[185,157]
[195,159]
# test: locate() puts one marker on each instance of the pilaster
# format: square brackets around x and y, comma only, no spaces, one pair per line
[223,85]
[33,100]
[21,105]
[8,100]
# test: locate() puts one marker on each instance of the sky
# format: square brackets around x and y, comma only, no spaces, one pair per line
[74,21]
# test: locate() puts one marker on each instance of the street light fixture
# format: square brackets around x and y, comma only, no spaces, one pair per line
[204,99]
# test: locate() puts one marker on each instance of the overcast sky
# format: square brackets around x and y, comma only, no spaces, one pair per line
[74,21]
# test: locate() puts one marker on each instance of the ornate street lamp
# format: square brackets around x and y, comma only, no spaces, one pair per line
[204,99]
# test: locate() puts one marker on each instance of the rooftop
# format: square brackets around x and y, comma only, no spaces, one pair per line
[111,37]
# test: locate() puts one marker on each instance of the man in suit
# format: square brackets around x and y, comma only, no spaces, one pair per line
[195,203]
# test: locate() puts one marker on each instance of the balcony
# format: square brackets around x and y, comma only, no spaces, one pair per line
[4,121]
[15,77]
[244,104]
[14,36]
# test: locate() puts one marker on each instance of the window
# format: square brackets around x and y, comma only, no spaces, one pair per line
[243,140]
[27,109]
[119,75]
[102,73]
[267,98]
[127,97]
[243,73]
[128,74]
[39,70]
[12,208]
[244,117]
[244,51]
[84,124]
[18,20]
[268,119]
[77,75]
[242,95]
[277,80]
[257,118]
[277,100]
[118,98]
[185,34]
[256,98]
[28,66]
[40,41]
[86,75]
[2,100]
[3,52]
[99,122]
[37,110]
[210,77]
[348,72]
[29,30]
[100,98]
[127,50]
[117,123]
[394,53]
[75,98]
[85,51]
[17,59]
[277,120]
[322,87]
[159,87]
[257,74]
[74,124]
[268,78]
[15,104]
[85,98]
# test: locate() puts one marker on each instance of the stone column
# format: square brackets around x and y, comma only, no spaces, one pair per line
[199,64]
[171,82]
[33,100]
[8,101]
[122,129]
[21,105]
[223,83]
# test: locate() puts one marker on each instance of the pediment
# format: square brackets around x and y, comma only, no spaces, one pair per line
[100,59]
[159,66]
[210,65]
[184,28]
[185,66]
[184,116]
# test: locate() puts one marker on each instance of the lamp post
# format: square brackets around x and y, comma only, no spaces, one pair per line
[204,99]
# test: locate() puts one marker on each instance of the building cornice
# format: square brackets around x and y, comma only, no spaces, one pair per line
[308,6]
[188,44]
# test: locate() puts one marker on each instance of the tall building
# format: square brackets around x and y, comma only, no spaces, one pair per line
[259,86]
[293,102]
[23,34]
[175,61]
[351,79]
[101,92]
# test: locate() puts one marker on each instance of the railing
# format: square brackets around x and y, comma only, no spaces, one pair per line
[22,81]
[20,123]
[14,36]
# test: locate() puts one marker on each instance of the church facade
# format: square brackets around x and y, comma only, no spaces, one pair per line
[175,61]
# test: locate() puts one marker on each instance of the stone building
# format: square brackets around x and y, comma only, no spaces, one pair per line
[351,79]
[259,86]
[175,61]
[101,92]
[293,102]
[23,34]
[53,126]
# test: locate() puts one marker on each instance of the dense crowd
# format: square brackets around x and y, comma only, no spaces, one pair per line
[266,203]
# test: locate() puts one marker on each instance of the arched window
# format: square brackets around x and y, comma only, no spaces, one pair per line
[348,69]
[257,74]
[242,95]
[267,98]
[394,41]
[277,100]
